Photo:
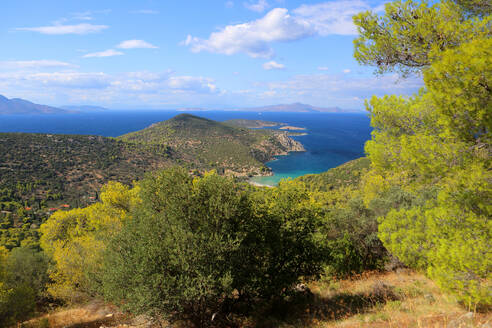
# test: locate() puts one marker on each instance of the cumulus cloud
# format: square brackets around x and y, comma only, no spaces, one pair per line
[278,25]
[273,65]
[253,38]
[135,44]
[34,64]
[65,29]
[258,6]
[105,53]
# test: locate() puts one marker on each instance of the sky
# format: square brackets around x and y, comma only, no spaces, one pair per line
[216,54]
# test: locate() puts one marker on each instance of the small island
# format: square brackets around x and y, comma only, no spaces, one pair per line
[252,124]
[292,128]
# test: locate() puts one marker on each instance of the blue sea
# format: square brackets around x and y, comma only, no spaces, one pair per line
[332,138]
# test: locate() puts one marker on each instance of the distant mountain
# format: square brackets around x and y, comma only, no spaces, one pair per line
[295,107]
[21,106]
[84,109]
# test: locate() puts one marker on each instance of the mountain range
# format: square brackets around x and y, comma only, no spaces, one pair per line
[294,107]
[21,106]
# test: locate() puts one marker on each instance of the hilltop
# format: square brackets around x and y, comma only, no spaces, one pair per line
[206,144]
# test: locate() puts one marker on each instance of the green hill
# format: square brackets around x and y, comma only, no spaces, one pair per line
[206,144]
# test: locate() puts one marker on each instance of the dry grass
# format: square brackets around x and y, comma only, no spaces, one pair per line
[403,299]
[395,299]
[94,314]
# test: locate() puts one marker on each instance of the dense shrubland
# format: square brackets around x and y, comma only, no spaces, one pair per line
[193,248]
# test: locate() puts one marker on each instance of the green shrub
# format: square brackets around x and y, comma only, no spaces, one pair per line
[193,245]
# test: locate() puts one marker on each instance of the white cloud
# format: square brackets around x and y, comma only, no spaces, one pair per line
[115,86]
[66,29]
[259,6]
[253,38]
[86,15]
[191,83]
[145,12]
[65,80]
[323,68]
[278,25]
[135,44]
[347,71]
[34,64]
[229,4]
[334,17]
[340,89]
[105,53]
[273,65]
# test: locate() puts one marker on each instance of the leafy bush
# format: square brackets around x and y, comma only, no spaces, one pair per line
[194,245]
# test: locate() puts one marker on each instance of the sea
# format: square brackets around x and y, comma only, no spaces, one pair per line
[330,139]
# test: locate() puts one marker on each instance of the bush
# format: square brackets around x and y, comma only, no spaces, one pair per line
[22,279]
[16,304]
[28,267]
[193,245]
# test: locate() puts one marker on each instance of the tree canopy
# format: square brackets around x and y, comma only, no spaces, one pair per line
[435,145]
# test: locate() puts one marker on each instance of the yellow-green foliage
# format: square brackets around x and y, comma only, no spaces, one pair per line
[75,239]
[435,146]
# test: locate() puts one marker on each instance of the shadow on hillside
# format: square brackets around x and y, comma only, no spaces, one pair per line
[305,309]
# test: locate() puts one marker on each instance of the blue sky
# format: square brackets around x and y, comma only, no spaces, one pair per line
[172,54]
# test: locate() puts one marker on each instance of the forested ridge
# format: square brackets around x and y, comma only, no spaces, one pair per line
[211,251]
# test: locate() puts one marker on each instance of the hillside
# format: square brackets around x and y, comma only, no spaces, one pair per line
[72,165]
[21,106]
[206,144]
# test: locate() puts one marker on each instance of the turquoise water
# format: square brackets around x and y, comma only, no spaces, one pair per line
[332,138]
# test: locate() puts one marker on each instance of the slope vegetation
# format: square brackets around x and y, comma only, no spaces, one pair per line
[72,165]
